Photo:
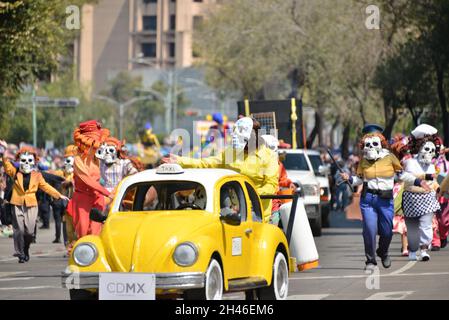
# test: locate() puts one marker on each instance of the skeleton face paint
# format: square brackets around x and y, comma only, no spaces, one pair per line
[372,148]
[242,132]
[110,154]
[427,153]
[27,163]
[68,164]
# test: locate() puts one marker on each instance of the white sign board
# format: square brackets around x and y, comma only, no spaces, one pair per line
[127,286]
[237,246]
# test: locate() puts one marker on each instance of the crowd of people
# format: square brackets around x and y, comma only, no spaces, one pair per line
[402,184]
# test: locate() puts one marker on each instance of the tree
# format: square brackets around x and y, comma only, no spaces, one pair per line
[33,37]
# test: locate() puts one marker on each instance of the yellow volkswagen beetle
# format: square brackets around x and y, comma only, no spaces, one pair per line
[200,232]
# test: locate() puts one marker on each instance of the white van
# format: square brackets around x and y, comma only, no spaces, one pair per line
[306,167]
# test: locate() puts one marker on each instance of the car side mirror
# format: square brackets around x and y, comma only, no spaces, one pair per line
[232,219]
[96,215]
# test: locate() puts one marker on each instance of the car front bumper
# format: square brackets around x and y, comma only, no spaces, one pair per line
[164,281]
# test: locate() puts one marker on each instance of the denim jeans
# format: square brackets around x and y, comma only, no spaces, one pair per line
[377,216]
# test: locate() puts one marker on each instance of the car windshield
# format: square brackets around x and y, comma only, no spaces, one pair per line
[295,161]
[164,195]
[315,160]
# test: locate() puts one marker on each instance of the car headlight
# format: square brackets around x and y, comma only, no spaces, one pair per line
[311,190]
[185,254]
[85,254]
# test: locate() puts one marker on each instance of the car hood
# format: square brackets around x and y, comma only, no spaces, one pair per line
[134,241]
[305,177]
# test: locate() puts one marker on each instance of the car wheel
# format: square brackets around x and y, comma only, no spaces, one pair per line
[213,288]
[316,226]
[278,290]
[80,294]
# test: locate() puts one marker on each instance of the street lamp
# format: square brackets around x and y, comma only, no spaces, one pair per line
[121,106]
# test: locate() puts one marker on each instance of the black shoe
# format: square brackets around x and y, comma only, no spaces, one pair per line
[26,258]
[434,248]
[443,243]
[22,259]
[44,227]
[56,241]
[386,261]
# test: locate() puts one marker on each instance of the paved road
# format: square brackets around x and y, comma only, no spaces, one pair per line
[340,275]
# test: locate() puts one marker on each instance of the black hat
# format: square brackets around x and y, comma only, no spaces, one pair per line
[372,128]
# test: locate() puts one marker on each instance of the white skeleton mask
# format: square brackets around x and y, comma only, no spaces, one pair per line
[242,133]
[372,148]
[99,154]
[27,163]
[109,154]
[427,153]
[68,164]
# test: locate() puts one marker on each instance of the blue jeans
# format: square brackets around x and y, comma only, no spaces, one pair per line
[377,219]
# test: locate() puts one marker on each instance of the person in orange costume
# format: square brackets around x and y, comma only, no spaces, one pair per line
[89,193]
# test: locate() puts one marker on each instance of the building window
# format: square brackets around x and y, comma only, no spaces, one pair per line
[197,21]
[149,1]
[172,22]
[150,23]
[149,50]
[171,50]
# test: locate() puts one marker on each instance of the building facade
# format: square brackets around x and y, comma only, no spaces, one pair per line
[119,35]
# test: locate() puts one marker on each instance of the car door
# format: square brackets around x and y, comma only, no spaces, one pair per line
[237,245]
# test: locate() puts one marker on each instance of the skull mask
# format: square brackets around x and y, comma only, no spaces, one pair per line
[27,163]
[68,164]
[110,154]
[372,148]
[242,132]
[427,153]
[99,154]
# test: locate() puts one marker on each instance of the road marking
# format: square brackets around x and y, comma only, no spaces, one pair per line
[16,279]
[396,295]
[364,276]
[29,288]
[7,274]
[307,297]
[404,268]
[32,255]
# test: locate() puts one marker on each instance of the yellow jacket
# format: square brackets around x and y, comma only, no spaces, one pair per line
[20,196]
[261,167]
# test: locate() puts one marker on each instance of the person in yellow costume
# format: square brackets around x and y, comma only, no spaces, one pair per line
[247,157]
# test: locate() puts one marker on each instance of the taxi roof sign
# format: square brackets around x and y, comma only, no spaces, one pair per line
[169,168]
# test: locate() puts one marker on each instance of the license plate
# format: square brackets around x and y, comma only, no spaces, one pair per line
[127,286]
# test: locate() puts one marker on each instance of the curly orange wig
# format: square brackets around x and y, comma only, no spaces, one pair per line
[399,146]
[118,145]
[70,151]
[383,140]
[29,150]
[89,134]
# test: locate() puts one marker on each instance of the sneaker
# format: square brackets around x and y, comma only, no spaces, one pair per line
[370,267]
[424,255]
[386,261]
[412,256]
